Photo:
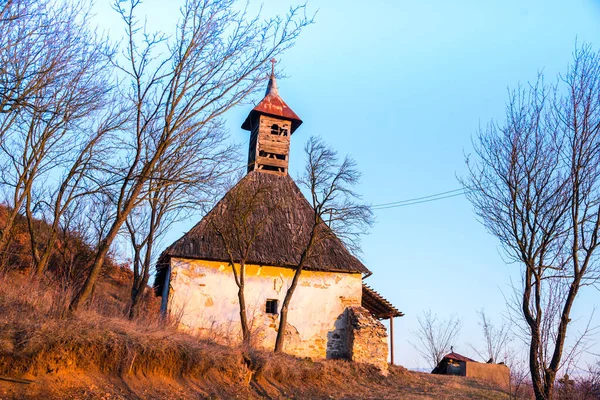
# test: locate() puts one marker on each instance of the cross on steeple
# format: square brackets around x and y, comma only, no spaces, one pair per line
[273,61]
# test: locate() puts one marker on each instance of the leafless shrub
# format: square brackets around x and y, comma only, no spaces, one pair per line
[589,384]
[434,337]
[496,339]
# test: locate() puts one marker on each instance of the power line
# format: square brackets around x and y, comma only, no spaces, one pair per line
[419,200]
[409,202]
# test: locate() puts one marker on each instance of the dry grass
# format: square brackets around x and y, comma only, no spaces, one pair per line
[99,354]
[39,336]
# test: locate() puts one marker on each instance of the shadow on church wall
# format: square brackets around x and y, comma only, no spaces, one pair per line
[338,338]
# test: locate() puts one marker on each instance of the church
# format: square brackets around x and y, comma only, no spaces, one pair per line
[332,314]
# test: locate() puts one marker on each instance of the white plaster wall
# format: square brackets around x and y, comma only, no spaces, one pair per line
[203,295]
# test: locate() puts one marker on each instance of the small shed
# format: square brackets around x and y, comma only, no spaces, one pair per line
[457,364]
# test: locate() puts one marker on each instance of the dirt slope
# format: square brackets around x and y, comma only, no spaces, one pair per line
[47,353]
[401,384]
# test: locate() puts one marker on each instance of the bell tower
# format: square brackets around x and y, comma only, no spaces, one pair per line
[271,124]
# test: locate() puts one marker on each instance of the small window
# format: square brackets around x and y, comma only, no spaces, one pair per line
[278,130]
[262,153]
[271,168]
[272,306]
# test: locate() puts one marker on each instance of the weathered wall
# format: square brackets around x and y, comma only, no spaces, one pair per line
[367,338]
[497,373]
[271,146]
[203,296]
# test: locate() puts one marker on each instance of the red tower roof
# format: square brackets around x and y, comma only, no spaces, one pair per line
[274,106]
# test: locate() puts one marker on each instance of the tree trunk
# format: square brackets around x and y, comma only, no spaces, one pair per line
[142,270]
[136,296]
[35,254]
[284,312]
[85,292]
[536,381]
[243,316]
[290,292]
[104,245]
[45,257]
[549,377]
[241,282]
[138,289]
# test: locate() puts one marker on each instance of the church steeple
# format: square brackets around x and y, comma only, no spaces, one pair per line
[271,124]
[272,85]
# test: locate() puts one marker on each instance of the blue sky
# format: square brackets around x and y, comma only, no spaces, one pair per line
[402,86]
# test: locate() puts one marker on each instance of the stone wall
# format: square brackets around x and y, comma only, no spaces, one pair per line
[367,338]
[325,318]
[338,344]
[202,296]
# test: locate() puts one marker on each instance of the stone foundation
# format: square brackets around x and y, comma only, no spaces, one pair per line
[337,339]
[367,339]
[359,337]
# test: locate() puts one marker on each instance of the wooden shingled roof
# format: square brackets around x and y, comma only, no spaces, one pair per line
[283,236]
[377,305]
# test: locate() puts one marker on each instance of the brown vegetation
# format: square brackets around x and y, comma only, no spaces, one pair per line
[68,258]
[47,352]
[98,353]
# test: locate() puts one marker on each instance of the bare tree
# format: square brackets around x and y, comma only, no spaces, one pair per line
[26,59]
[337,211]
[496,338]
[47,105]
[180,85]
[182,181]
[535,186]
[239,234]
[78,178]
[435,337]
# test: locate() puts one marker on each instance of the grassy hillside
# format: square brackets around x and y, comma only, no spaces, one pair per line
[48,353]
[99,354]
